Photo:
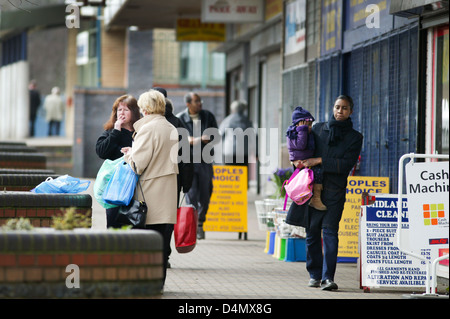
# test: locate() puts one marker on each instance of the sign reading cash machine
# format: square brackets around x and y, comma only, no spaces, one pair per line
[427,188]
[424,229]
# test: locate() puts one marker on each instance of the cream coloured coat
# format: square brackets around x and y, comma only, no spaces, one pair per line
[153,156]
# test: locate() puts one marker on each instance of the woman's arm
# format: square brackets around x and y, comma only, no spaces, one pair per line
[107,144]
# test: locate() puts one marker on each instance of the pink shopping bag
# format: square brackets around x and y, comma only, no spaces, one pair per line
[299,187]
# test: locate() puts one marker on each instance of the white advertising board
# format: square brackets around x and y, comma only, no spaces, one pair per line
[382,264]
[295,27]
[427,189]
[233,11]
[82,48]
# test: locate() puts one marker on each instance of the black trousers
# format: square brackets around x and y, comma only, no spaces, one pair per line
[200,192]
[162,229]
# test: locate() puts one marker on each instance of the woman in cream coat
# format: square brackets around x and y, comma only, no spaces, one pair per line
[153,156]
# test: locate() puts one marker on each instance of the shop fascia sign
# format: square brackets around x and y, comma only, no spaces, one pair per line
[233,11]
[82,48]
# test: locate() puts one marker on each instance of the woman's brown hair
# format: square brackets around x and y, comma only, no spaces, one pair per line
[131,103]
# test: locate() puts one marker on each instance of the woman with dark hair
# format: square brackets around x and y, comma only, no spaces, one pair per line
[118,134]
[337,150]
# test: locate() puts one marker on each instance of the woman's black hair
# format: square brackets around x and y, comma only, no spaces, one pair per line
[346,98]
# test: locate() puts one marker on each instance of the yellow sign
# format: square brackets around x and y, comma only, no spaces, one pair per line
[195,30]
[273,8]
[349,225]
[228,206]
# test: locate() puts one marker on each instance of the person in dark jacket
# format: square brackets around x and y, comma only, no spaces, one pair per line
[118,134]
[338,146]
[196,120]
[235,147]
[35,102]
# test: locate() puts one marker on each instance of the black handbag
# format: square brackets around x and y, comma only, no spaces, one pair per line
[134,214]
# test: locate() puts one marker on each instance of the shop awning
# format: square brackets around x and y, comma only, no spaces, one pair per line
[147,14]
[38,16]
[408,8]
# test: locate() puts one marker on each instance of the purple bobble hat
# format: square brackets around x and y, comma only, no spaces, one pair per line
[300,114]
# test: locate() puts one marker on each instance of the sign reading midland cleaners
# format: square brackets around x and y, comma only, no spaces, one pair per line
[427,188]
[228,206]
[382,263]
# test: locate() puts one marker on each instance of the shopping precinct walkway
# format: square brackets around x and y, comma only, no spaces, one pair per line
[224,267]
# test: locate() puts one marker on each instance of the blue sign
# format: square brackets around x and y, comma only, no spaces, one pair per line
[331,26]
[384,209]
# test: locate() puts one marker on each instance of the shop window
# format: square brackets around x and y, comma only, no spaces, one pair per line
[200,66]
[440,107]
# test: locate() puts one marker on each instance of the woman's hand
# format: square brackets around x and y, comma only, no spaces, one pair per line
[312,161]
[125,150]
[119,122]
[296,163]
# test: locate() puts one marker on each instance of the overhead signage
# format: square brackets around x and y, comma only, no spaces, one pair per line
[331,26]
[295,25]
[233,11]
[82,48]
[273,8]
[358,11]
[227,210]
[195,30]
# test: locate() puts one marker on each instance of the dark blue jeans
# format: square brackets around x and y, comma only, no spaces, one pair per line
[321,265]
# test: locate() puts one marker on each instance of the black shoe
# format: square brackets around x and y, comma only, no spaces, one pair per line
[200,232]
[314,283]
[328,284]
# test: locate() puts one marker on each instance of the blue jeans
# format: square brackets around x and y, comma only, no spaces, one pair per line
[321,266]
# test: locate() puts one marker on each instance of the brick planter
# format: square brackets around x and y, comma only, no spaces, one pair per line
[22,182]
[40,208]
[5,171]
[22,160]
[46,263]
[17,149]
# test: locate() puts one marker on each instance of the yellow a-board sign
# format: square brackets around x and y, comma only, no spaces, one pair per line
[228,206]
[349,225]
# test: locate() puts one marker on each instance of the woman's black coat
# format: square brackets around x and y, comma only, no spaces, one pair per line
[111,141]
[337,162]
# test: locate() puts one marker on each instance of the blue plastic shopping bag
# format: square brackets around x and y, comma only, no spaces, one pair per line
[62,184]
[104,174]
[120,188]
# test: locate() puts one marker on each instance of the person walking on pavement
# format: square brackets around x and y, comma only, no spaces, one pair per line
[118,133]
[235,147]
[338,146]
[196,120]
[35,102]
[54,110]
[153,159]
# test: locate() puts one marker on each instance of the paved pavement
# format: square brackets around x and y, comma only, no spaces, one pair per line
[224,267]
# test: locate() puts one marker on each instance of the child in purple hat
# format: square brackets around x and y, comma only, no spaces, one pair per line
[300,144]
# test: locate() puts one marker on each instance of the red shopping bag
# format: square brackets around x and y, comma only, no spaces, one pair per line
[185,230]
